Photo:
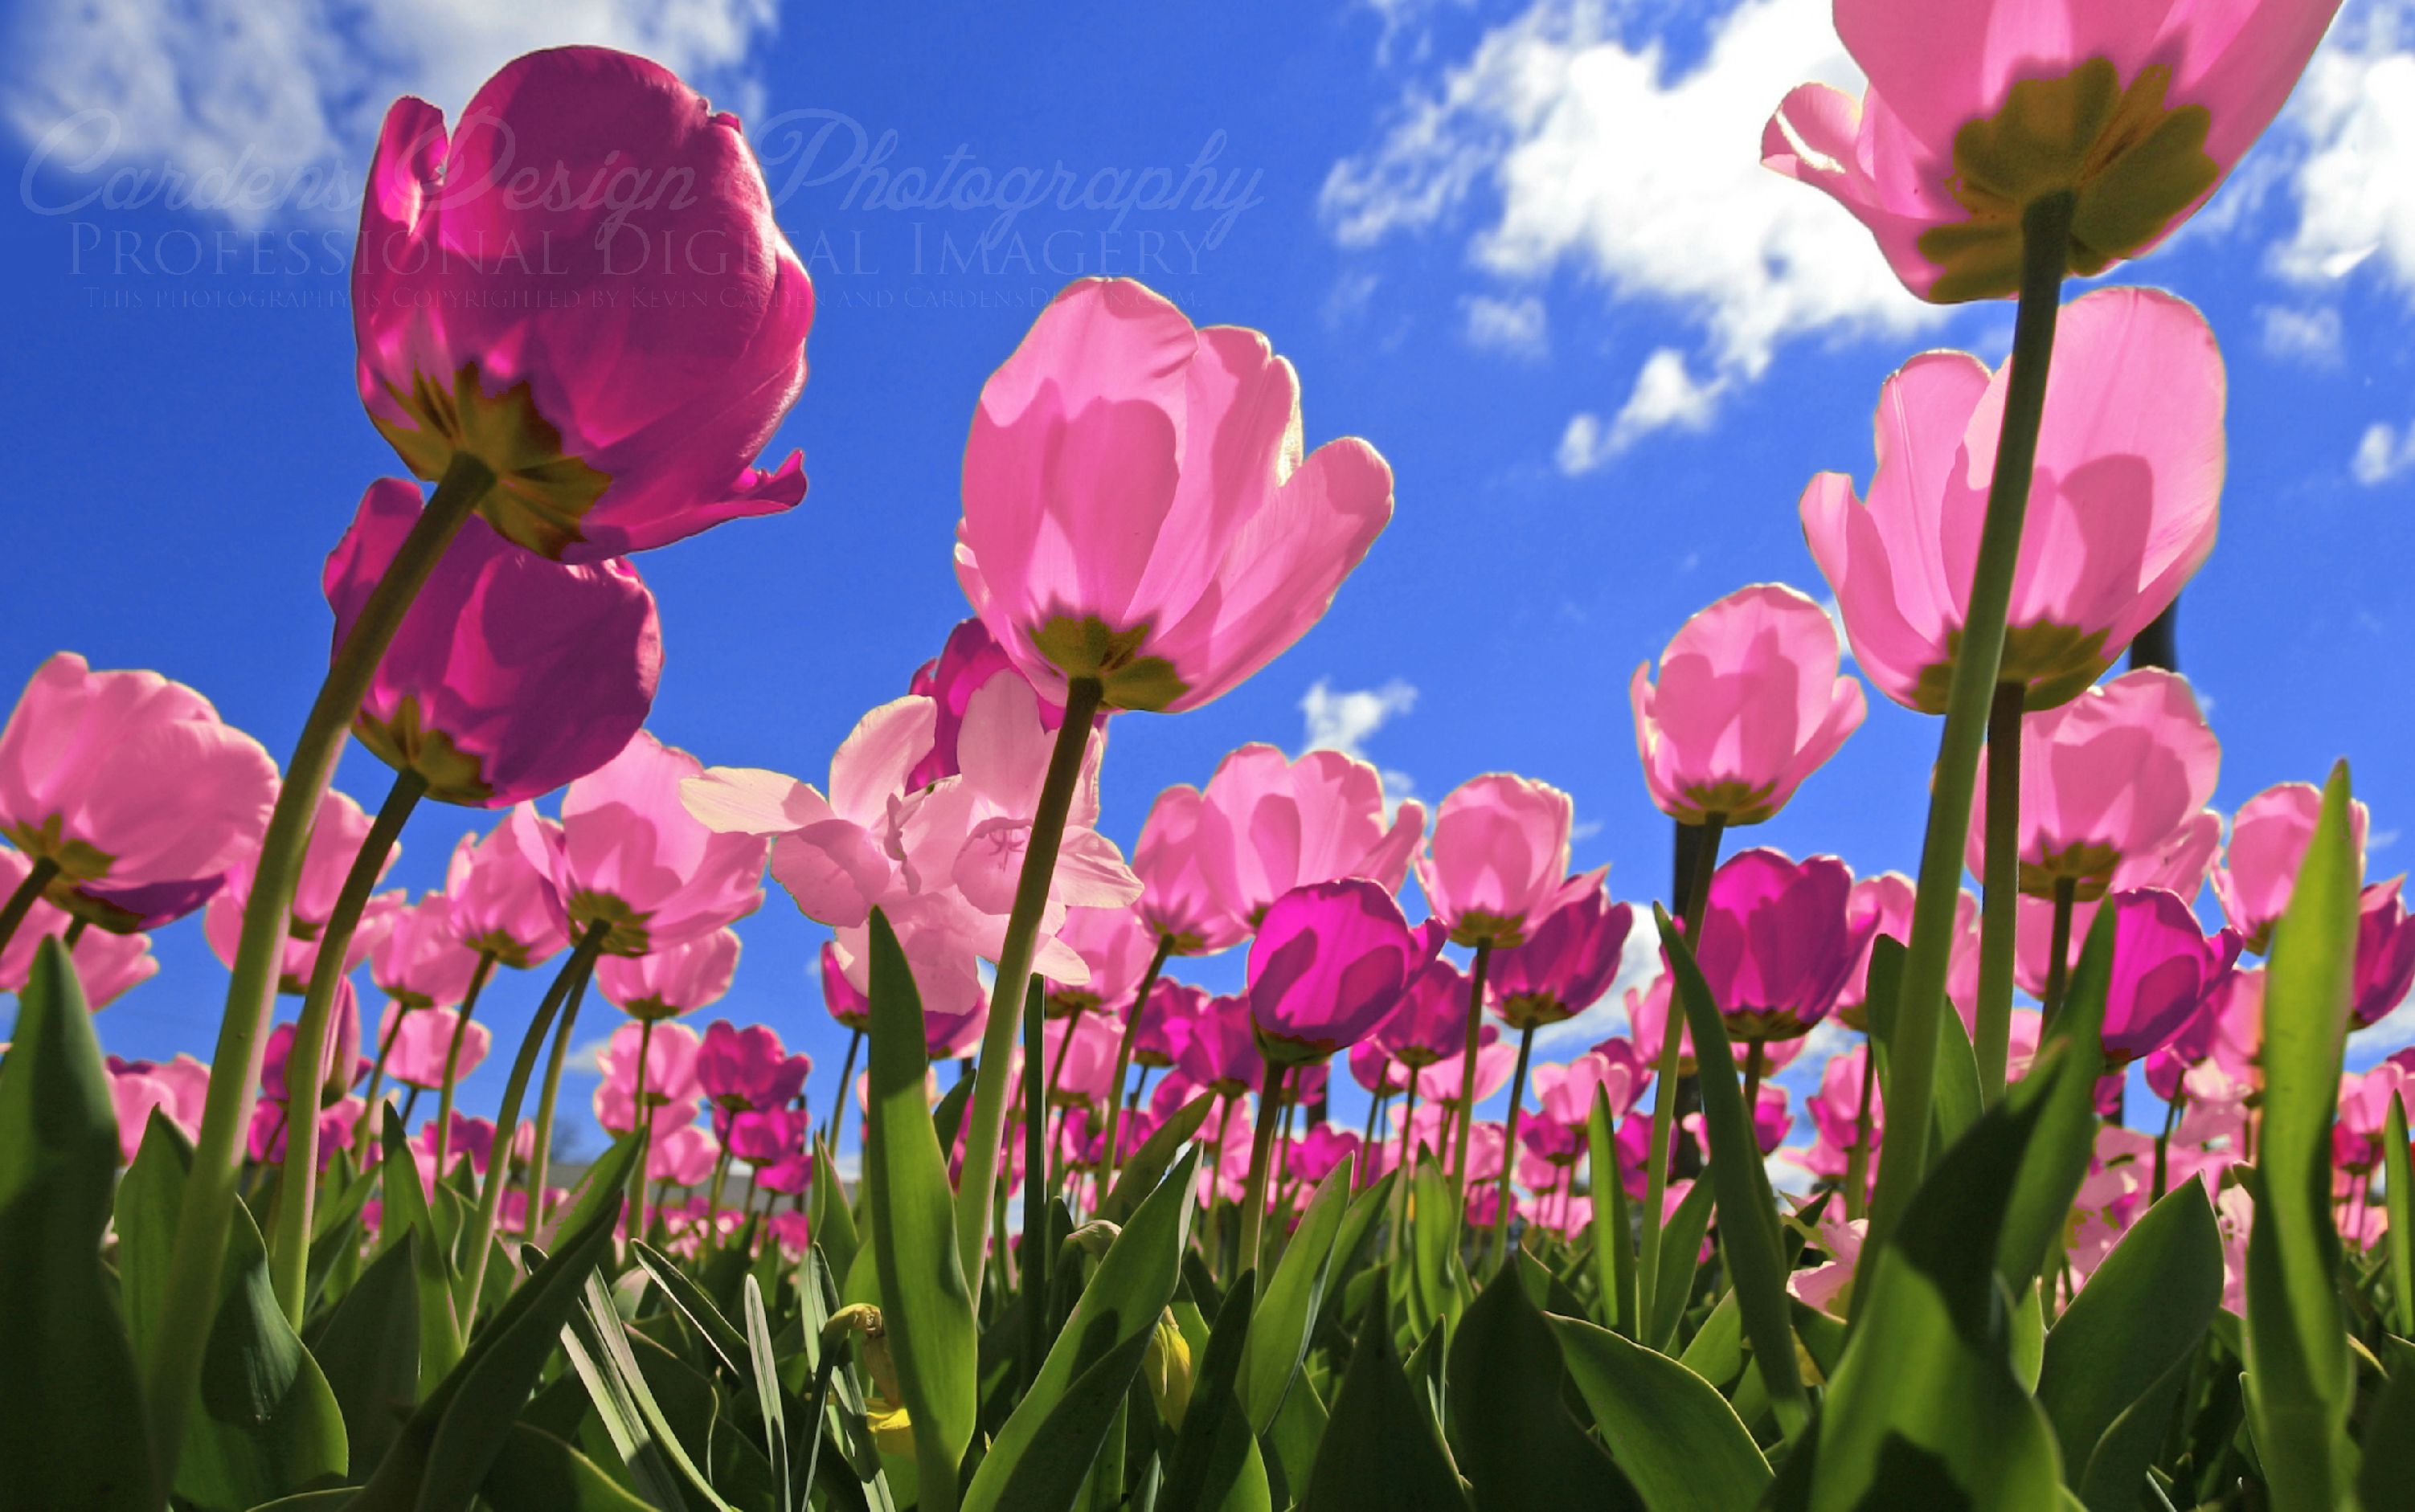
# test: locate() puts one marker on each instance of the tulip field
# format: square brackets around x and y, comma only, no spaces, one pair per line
[2087,1215]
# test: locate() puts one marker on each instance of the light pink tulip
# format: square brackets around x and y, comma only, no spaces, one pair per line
[335,838]
[2121,508]
[107,965]
[1137,508]
[2258,869]
[1116,945]
[682,1155]
[1565,1093]
[421,962]
[631,857]
[340,1062]
[1182,900]
[423,1038]
[1748,704]
[510,675]
[965,664]
[1497,863]
[503,904]
[1269,824]
[1328,964]
[1567,965]
[177,1089]
[1087,1045]
[942,946]
[845,1000]
[1441,1084]
[615,341]
[670,1070]
[134,788]
[1973,111]
[675,980]
[2113,774]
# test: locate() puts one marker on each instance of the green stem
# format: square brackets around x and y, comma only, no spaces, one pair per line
[297,1182]
[1756,1065]
[1857,1159]
[713,1202]
[452,1056]
[641,1105]
[2058,968]
[1999,889]
[988,1115]
[1253,1192]
[1036,1236]
[1404,1172]
[846,1086]
[1509,1147]
[2164,1141]
[1113,1162]
[20,902]
[1978,657]
[549,1094]
[1367,1142]
[1466,1112]
[1700,860]
[75,928]
[361,1131]
[507,1123]
[188,1308]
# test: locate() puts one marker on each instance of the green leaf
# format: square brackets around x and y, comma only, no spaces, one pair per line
[832,1225]
[2398,1194]
[1748,1209]
[406,1212]
[1143,1166]
[1437,1281]
[1958,1104]
[2299,1380]
[2143,1314]
[1519,1448]
[729,1346]
[1381,1448]
[370,1347]
[640,1436]
[1614,1238]
[71,1433]
[2064,1142]
[1215,1465]
[445,1450]
[2385,1481]
[535,1472]
[1281,1328]
[149,1198]
[925,1301]
[1681,1444]
[767,1389]
[605,1184]
[1046,1447]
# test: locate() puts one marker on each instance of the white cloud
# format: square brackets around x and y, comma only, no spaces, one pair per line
[1344,721]
[587,1059]
[266,111]
[2383,454]
[1666,397]
[2349,134]
[1511,326]
[2306,335]
[1643,174]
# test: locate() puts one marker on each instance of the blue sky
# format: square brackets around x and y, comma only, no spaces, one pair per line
[1528,253]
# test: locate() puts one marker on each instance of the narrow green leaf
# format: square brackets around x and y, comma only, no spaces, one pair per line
[1145,1166]
[1681,1256]
[2398,1195]
[535,1472]
[71,1433]
[369,1350]
[1520,1450]
[1381,1447]
[606,1340]
[832,1225]
[2385,1481]
[2058,1152]
[2298,1367]
[1680,1443]
[406,1211]
[767,1389]
[729,1346]
[1284,1323]
[1215,1465]
[645,1462]
[1614,1237]
[925,1300]
[605,1184]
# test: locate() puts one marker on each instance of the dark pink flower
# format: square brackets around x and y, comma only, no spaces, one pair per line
[1776,943]
[1566,964]
[1329,964]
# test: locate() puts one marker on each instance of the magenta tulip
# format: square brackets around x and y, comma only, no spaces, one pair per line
[1567,965]
[615,341]
[1137,507]
[846,1001]
[131,788]
[1748,704]
[1328,964]
[1182,901]
[748,1068]
[107,965]
[1429,1025]
[2385,953]
[2258,869]
[965,664]
[511,675]
[1497,863]
[1269,824]
[503,904]
[2164,968]
[1973,111]
[335,838]
[340,1063]
[633,859]
[1223,1052]
[1165,1023]
[2121,508]
[672,980]
[1777,944]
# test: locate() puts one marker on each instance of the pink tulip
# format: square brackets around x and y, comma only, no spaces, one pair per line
[1329,964]
[1564,1094]
[2163,966]
[1772,1117]
[1116,945]
[1777,944]
[846,1001]
[1647,1018]
[511,675]
[2122,507]
[502,902]
[264,1139]
[132,1096]
[1823,1286]
[1836,1109]
[1750,703]
[670,1057]
[675,980]
[1498,861]
[1137,509]
[965,664]
[763,1137]
[1442,1084]
[132,786]
[1269,824]
[472,1141]
[631,857]
[2385,953]
[420,962]
[681,1156]
[941,949]
[108,966]
[335,837]
[340,1063]
[1078,1055]
[184,1080]
[2364,1114]
[616,362]
[1974,111]
[1222,1053]
[1374,1069]
[1429,1025]
[1567,965]
[2258,869]
[1165,1023]
[748,1068]
[1316,1153]
[2176,865]
[2114,773]
[1882,904]
[1180,865]
[423,1038]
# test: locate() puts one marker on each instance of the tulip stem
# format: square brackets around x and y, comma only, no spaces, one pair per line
[1509,1149]
[2164,1141]
[1857,1159]
[363,1130]
[73,933]
[452,1056]
[1756,1065]
[288,1251]
[2000,888]
[2058,968]
[20,902]
[1978,658]
[188,1308]
[1466,1112]
[1110,1167]
[1367,1141]
[1253,1192]
[986,1119]
[1702,860]
[1036,1237]
[641,1109]
[1406,1173]
[541,1151]
[846,1077]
